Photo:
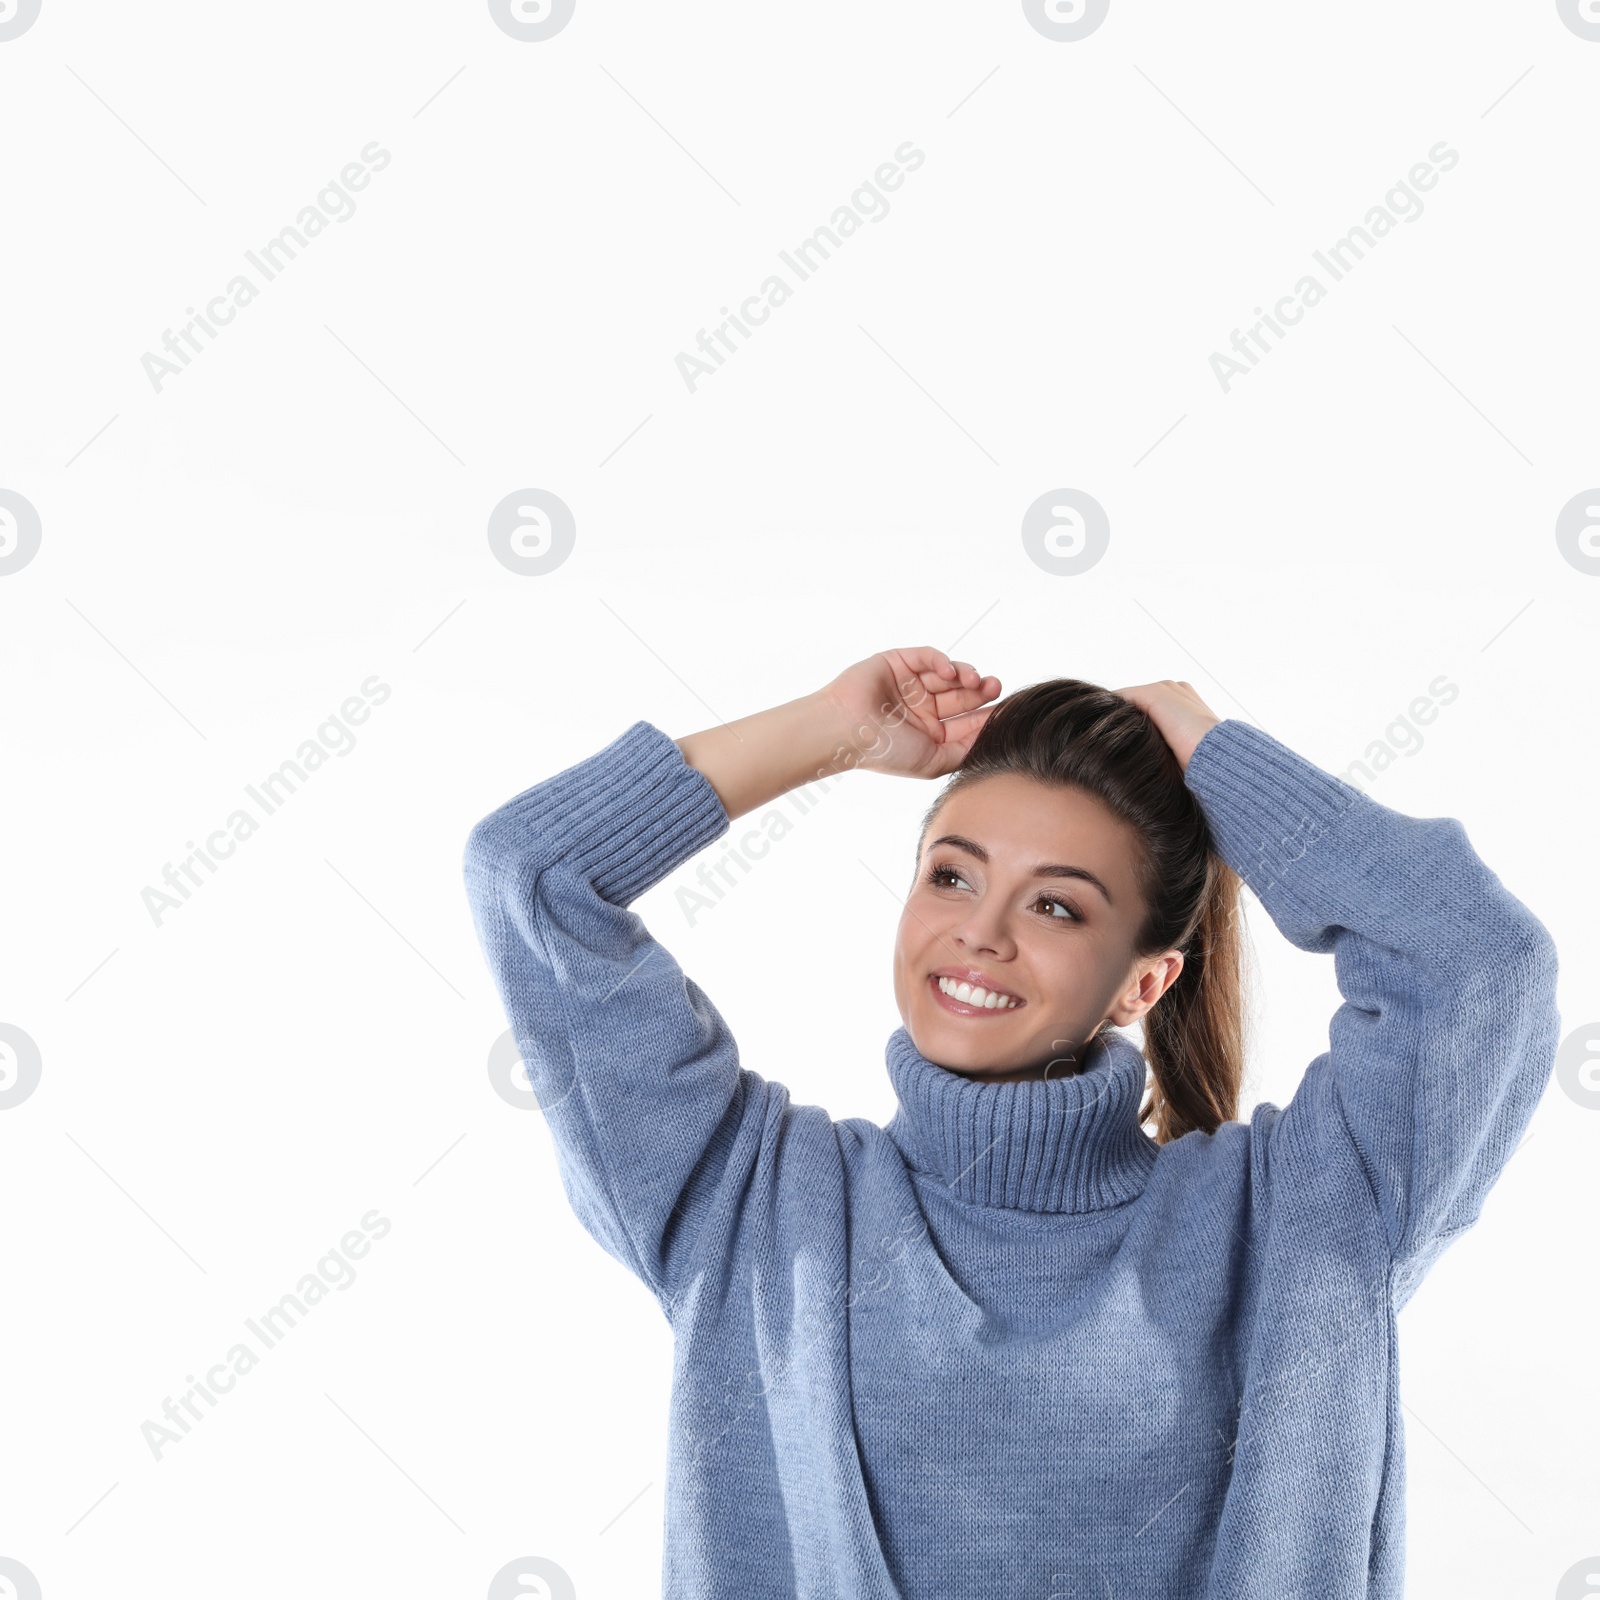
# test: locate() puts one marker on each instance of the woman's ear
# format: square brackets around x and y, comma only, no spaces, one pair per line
[1151,979]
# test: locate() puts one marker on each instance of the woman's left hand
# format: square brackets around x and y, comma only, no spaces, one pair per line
[1181,715]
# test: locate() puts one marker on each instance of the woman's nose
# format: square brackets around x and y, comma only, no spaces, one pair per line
[985,931]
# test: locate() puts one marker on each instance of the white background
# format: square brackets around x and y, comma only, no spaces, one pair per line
[224,562]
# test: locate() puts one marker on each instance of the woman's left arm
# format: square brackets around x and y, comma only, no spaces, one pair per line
[1446,1039]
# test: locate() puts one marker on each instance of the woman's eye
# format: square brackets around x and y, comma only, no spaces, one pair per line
[1059,910]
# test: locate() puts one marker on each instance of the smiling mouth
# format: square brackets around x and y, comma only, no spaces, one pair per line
[947,993]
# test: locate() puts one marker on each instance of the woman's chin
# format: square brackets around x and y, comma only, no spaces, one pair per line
[954,1048]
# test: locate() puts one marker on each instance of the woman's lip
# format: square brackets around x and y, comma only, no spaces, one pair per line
[962,1009]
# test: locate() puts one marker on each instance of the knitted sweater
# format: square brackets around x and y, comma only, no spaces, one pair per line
[1006,1345]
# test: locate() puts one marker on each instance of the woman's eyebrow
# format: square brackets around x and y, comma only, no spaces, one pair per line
[1048,870]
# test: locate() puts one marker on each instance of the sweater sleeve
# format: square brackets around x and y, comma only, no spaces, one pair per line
[1446,1038]
[634,1069]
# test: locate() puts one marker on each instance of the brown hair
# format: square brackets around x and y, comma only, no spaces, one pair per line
[1075,734]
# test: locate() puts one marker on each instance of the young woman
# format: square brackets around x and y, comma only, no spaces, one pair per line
[1013,1344]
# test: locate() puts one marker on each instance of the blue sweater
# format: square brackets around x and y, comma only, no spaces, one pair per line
[1006,1345]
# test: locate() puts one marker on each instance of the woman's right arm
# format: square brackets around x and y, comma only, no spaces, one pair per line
[634,1069]
[656,1126]
[756,759]
[910,713]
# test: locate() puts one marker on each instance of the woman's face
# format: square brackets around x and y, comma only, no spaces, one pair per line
[1027,889]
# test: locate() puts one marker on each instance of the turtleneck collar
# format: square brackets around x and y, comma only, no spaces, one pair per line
[1055,1144]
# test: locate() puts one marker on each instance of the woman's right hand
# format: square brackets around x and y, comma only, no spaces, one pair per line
[910,713]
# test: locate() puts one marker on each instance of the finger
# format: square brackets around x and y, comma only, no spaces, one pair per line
[961,731]
[921,693]
[957,702]
[970,683]
[938,687]
[924,658]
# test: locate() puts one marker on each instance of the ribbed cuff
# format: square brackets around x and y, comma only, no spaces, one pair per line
[1266,805]
[626,816]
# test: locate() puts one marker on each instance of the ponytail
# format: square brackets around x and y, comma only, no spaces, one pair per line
[1194,1034]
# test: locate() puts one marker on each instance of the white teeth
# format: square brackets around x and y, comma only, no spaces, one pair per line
[972,996]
